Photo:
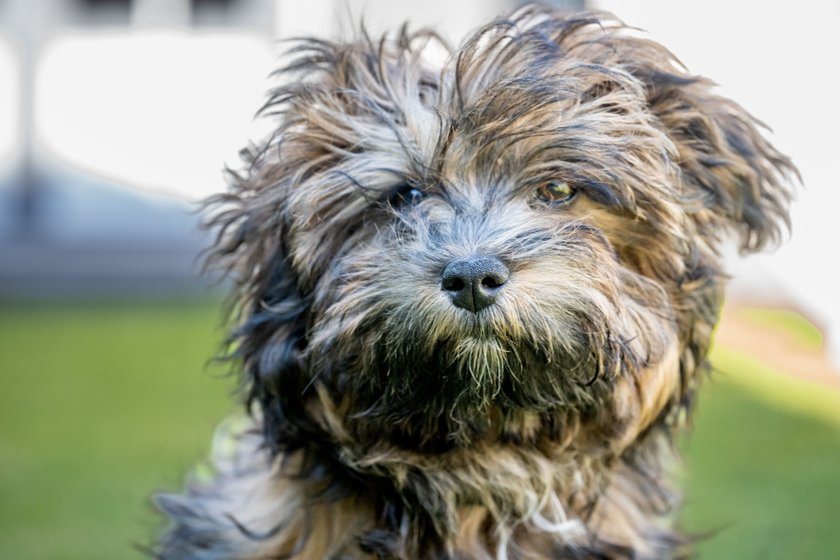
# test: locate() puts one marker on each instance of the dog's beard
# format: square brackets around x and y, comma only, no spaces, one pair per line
[419,372]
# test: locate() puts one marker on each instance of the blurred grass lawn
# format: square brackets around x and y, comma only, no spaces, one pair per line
[101,405]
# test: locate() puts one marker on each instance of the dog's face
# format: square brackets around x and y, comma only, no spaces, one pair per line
[519,246]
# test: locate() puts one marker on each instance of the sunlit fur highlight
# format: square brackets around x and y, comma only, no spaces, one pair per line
[388,423]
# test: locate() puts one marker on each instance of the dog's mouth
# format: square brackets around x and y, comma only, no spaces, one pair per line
[471,389]
[415,367]
[470,371]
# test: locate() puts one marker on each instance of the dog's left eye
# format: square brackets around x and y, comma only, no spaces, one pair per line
[556,192]
[406,195]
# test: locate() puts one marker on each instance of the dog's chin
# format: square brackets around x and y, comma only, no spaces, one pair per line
[467,390]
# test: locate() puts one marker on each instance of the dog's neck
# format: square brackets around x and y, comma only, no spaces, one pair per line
[544,494]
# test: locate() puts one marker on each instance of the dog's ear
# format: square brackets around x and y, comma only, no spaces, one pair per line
[266,304]
[734,178]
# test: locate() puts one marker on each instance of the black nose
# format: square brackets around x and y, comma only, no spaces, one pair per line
[474,282]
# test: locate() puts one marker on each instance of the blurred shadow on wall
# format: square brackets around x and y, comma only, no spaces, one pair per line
[81,237]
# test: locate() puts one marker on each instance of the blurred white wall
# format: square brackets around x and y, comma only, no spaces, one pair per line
[161,110]
[780,61]
[454,19]
[8,103]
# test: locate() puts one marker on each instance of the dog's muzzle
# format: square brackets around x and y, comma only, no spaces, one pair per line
[473,283]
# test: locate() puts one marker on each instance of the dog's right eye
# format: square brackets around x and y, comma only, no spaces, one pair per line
[556,192]
[406,195]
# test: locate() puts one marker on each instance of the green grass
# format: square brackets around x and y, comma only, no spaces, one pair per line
[767,481]
[100,406]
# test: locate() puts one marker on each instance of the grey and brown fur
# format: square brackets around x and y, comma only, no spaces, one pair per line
[389,423]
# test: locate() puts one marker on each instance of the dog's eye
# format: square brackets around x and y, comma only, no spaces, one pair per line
[556,192]
[406,195]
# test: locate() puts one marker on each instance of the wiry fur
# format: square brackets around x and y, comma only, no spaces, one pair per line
[389,423]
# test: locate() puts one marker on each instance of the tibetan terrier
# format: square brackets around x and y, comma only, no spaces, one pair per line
[474,299]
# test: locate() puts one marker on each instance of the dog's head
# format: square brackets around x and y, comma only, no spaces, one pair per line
[521,245]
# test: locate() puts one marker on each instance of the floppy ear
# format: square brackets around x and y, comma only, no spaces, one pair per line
[266,302]
[732,177]
[736,178]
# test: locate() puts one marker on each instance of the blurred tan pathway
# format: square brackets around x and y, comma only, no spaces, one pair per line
[774,346]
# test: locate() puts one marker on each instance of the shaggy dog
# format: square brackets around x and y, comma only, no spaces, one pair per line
[475,300]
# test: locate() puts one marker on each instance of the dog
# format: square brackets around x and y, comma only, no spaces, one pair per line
[474,301]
